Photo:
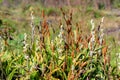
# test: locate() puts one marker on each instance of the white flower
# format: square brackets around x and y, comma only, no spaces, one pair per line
[26,57]
[93,26]
[91,53]
[52,42]
[81,46]
[24,42]
[102,19]
[32,17]
[91,21]
[72,69]
[61,27]
[75,33]
[101,36]
[25,36]
[93,39]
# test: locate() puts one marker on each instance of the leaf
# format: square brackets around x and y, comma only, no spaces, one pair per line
[57,69]
[69,63]
[34,75]
[33,48]
[37,21]
[10,76]
[21,36]
[78,56]
[57,73]
[61,60]
[88,72]
[8,68]
[6,56]
[22,71]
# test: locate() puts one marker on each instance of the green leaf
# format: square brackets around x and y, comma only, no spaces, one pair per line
[65,76]
[6,56]
[57,69]
[61,60]
[10,76]
[34,75]
[37,21]
[21,36]
[9,66]
[88,72]
[69,63]
[33,49]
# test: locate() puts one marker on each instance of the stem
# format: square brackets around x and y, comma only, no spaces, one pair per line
[32,27]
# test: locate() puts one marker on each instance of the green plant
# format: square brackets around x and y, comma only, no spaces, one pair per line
[67,55]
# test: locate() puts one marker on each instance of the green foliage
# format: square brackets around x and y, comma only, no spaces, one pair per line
[34,75]
[11,75]
[54,58]
[89,9]
[116,3]
[101,6]
[97,14]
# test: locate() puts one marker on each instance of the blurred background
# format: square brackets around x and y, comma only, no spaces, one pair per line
[97,4]
[16,13]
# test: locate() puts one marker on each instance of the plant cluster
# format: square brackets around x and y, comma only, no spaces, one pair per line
[46,55]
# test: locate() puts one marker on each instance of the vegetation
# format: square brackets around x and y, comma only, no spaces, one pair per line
[40,43]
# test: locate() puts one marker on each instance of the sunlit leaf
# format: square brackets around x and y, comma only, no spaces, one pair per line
[11,75]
